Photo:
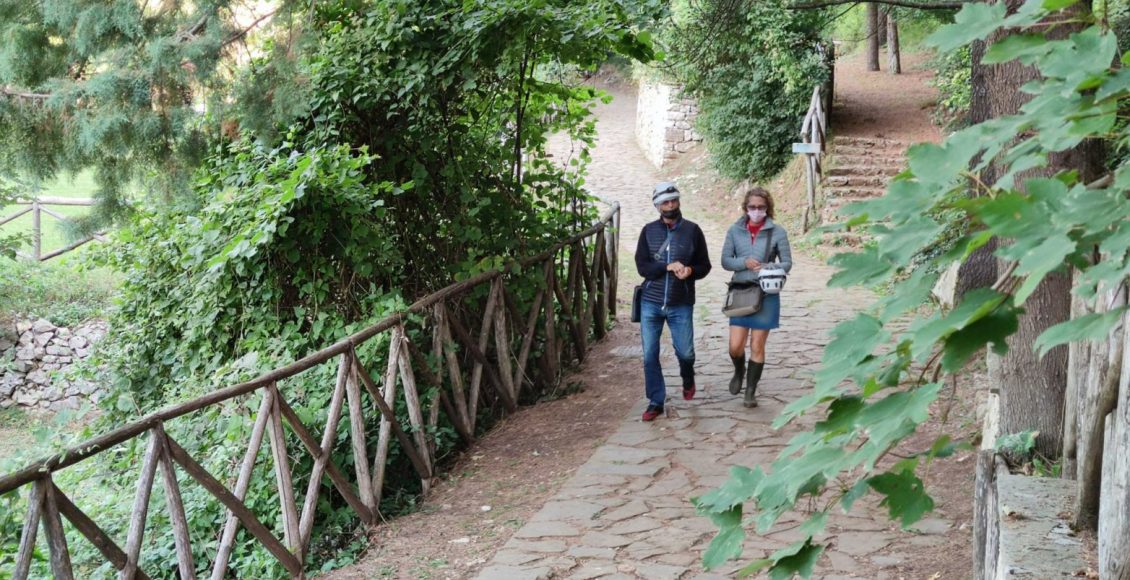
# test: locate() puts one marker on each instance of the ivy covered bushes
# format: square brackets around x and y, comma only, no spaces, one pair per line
[752,66]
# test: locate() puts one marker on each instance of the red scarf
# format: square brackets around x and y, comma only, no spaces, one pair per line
[753,229]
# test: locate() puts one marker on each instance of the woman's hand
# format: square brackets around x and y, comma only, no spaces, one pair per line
[752,264]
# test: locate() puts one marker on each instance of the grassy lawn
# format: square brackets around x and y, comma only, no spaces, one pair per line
[54,234]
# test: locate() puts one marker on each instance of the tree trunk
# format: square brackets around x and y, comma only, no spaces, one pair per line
[980,269]
[893,65]
[872,36]
[1032,389]
[884,38]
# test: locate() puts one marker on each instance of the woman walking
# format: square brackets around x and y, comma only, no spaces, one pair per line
[752,241]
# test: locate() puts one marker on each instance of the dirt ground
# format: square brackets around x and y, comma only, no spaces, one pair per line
[495,487]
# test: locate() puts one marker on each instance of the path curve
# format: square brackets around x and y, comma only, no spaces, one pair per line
[626,512]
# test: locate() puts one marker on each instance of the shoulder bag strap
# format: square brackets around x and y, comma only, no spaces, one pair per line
[667,242]
[769,246]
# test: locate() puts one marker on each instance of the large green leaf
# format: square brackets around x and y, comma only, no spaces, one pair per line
[727,544]
[1016,46]
[975,21]
[993,329]
[1094,326]
[906,497]
[974,306]
[862,268]
[737,489]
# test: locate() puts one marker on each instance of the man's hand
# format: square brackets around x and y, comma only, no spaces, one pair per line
[752,264]
[684,273]
[675,267]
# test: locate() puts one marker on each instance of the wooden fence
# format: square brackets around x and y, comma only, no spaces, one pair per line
[813,132]
[578,298]
[37,207]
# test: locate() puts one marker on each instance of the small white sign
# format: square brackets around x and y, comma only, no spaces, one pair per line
[808,148]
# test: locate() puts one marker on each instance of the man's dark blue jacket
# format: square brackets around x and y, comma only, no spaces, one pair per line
[687,246]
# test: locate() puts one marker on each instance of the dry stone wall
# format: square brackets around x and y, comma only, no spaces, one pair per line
[664,122]
[36,360]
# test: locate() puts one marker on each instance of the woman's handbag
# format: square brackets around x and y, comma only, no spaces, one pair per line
[744,298]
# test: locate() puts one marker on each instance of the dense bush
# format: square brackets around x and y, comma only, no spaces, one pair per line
[752,66]
[953,83]
[403,151]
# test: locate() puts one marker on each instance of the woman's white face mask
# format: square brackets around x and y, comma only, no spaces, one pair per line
[756,215]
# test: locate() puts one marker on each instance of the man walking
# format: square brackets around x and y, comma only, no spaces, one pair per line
[671,255]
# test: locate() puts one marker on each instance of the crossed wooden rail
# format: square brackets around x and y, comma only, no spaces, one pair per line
[583,303]
[813,133]
[36,207]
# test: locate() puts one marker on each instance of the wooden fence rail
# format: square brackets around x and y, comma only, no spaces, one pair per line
[813,133]
[559,318]
[37,207]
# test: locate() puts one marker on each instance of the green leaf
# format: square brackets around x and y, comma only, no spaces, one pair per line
[906,497]
[1092,326]
[841,415]
[1040,261]
[737,489]
[800,563]
[975,21]
[859,268]
[727,544]
[1053,5]
[907,294]
[994,328]
[974,306]
[1016,46]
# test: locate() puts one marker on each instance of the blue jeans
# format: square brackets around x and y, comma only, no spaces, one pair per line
[680,319]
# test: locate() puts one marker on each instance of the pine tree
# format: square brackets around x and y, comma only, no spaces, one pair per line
[119,87]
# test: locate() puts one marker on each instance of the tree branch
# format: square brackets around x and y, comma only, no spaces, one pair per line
[939,5]
[9,92]
[242,33]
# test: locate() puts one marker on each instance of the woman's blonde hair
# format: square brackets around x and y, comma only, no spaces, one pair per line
[748,190]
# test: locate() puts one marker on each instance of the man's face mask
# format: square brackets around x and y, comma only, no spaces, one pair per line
[671,214]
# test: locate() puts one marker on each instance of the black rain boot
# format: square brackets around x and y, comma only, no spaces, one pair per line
[739,374]
[752,376]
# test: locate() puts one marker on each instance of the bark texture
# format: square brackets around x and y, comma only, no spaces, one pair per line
[872,36]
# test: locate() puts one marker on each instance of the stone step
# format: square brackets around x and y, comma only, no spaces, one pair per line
[869,142]
[829,214]
[865,159]
[879,181]
[871,152]
[856,170]
[852,192]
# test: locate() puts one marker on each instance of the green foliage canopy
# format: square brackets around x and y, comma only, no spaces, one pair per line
[876,385]
[752,66]
[379,157]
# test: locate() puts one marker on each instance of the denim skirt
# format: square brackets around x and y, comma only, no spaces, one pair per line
[768,318]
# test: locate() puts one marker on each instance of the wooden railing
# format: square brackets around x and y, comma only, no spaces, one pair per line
[37,207]
[578,297]
[812,135]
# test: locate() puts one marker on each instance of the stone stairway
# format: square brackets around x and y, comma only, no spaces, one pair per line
[858,168]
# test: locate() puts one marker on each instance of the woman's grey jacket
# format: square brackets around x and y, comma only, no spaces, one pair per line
[738,247]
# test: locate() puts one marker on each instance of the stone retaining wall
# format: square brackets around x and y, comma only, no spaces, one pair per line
[664,122]
[36,358]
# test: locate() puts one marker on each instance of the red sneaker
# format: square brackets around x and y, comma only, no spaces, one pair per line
[688,392]
[652,412]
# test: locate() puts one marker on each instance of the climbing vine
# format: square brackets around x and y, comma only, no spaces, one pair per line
[875,384]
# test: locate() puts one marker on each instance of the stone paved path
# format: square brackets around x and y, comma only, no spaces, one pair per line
[626,512]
